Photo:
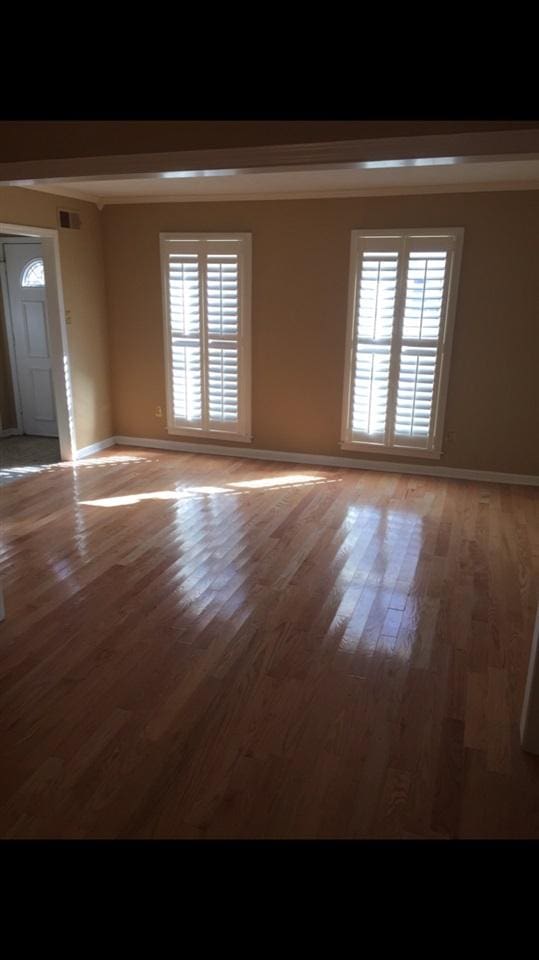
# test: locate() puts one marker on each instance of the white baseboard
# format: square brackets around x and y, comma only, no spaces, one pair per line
[95,448]
[429,470]
[10,432]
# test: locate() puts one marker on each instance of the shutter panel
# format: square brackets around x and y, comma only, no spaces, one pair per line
[419,351]
[415,393]
[223,385]
[425,284]
[222,295]
[374,319]
[223,326]
[185,345]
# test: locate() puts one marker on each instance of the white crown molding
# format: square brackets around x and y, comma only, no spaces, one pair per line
[330,194]
[460,148]
[58,191]
[485,187]
[430,470]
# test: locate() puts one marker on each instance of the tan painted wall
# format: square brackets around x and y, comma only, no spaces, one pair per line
[8,416]
[300,271]
[81,256]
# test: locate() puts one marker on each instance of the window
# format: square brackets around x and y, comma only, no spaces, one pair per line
[403,288]
[33,274]
[207,296]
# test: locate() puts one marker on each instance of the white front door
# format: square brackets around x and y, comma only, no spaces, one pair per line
[26,284]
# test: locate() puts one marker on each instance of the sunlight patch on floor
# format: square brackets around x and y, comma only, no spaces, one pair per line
[19,471]
[188,493]
[270,482]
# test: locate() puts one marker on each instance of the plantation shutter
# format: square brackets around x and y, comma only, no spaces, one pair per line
[223,319]
[207,294]
[419,354]
[184,307]
[374,316]
[398,338]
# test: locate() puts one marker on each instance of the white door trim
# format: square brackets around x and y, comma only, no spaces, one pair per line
[11,352]
[61,376]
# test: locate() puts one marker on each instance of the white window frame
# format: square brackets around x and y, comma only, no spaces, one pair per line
[402,238]
[244,337]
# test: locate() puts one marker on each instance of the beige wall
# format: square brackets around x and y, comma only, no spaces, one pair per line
[300,268]
[81,256]
[8,417]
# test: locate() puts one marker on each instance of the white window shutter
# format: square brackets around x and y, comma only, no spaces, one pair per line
[402,300]
[184,282]
[223,326]
[207,333]
[426,276]
[374,318]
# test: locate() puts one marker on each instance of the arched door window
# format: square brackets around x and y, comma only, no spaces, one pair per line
[33,274]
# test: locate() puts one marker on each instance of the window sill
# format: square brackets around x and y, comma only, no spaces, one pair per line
[378,448]
[194,432]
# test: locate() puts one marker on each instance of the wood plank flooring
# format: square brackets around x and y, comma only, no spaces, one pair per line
[204,646]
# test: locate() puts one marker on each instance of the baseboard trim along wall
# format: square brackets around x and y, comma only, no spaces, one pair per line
[10,432]
[427,469]
[95,448]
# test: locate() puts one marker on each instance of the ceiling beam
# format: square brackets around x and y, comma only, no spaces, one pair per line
[347,154]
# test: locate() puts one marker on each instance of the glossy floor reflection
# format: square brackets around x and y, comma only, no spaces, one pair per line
[206,646]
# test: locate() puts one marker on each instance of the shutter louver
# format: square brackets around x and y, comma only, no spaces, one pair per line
[374,318]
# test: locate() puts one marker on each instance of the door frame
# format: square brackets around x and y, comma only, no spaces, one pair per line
[60,361]
[10,431]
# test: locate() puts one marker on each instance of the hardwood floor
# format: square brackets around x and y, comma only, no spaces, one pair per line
[212,647]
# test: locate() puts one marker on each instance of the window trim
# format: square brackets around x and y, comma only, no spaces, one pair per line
[445,342]
[244,433]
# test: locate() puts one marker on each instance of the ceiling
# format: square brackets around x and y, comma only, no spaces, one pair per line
[22,140]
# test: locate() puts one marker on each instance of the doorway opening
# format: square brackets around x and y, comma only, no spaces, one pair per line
[36,415]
